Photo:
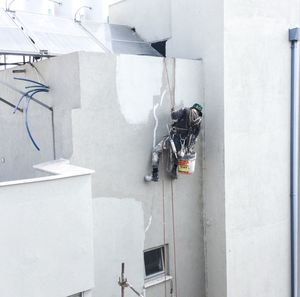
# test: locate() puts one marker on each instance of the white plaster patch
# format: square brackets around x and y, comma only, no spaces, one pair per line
[138,79]
[155,116]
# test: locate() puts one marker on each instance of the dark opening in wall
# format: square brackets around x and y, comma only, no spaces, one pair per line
[156,262]
[160,46]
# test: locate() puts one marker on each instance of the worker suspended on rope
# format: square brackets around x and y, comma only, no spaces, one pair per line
[180,142]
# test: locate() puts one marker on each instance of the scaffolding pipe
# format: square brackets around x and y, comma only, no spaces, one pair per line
[294,155]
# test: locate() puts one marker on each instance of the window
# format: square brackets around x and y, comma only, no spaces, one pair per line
[155,261]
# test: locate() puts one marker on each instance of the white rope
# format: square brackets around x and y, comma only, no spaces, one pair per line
[172,97]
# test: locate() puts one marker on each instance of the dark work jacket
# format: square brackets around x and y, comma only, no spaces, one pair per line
[182,126]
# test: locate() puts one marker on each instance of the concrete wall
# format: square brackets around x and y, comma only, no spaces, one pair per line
[257,120]
[118,238]
[17,152]
[113,132]
[46,244]
[197,31]
[152,19]
[116,118]
[53,135]
[245,51]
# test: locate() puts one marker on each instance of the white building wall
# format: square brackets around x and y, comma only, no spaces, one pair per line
[118,238]
[114,130]
[257,123]
[152,19]
[52,134]
[246,57]
[46,244]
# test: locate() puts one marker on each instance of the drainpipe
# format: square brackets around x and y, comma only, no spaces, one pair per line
[294,38]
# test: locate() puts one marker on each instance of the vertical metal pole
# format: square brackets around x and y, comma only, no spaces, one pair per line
[53,133]
[294,38]
[122,280]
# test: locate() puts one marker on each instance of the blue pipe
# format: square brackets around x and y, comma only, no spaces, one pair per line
[26,119]
[26,95]
[294,38]
[32,81]
[35,86]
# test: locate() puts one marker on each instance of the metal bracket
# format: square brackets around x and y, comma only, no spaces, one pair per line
[294,34]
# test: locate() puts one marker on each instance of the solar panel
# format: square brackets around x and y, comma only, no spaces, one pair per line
[57,35]
[12,38]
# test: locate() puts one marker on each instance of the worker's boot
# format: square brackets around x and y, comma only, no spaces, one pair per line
[153,176]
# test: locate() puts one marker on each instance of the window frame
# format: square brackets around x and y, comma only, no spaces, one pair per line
[164,256]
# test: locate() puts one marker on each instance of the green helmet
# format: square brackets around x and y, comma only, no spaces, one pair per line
[197,106]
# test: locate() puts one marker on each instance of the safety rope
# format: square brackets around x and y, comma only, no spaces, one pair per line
[172,98]
[174,237]
[164,217]
[172,93]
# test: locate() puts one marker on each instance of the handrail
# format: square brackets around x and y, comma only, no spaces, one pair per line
[11,104]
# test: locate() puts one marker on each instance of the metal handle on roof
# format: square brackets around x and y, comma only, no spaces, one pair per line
[56,2]
[75,16]
[8,6]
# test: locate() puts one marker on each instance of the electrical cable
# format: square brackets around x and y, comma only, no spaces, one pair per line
[30,87]
[164,218]
[37,88]
[26,119]
[26,95]
[32,81]
[174,237]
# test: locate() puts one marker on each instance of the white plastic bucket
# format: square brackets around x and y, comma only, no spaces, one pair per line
[186,165]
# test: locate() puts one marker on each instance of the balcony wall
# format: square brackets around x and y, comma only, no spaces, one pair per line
[46,243]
